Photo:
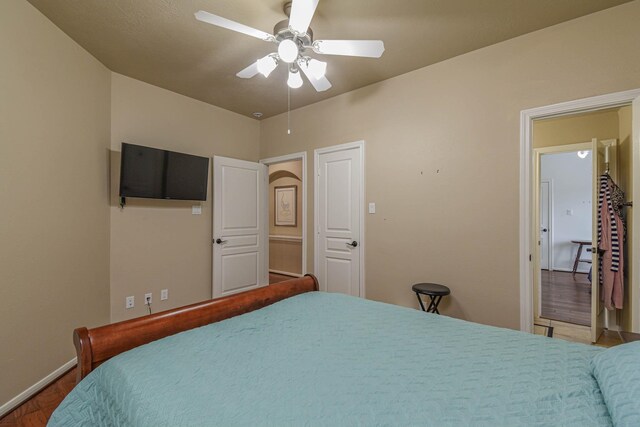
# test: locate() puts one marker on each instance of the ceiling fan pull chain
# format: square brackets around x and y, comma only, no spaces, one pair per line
[288,110]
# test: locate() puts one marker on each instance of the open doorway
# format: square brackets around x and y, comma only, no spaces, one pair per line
[287,216]
[627,105]
[566,240]
[568,282]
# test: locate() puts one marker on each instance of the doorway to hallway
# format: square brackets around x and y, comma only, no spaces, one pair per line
[287,216]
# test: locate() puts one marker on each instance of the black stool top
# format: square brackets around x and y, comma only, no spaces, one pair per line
[432,289]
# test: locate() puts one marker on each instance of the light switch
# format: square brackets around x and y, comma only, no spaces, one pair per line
[372,208]
[196,210]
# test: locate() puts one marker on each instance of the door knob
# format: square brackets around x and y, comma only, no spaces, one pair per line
[544,230]
[220,241]
[353,244]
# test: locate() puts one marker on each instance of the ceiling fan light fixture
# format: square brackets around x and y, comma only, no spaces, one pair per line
[293,38]
[267,64]
[317,68]
[288,50]
[295,80]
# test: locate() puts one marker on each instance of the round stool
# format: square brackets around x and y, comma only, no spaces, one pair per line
[434,291]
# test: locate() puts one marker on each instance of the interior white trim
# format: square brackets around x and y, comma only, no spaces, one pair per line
[601,102]
[316,154]
[28,393]
[284,238]
[286,273]
[302,155]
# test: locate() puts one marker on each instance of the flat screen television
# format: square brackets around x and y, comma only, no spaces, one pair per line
[160,174]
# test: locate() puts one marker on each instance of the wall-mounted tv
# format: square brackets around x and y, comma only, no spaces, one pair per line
[160,174]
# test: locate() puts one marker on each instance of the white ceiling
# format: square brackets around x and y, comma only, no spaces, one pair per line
[160,42]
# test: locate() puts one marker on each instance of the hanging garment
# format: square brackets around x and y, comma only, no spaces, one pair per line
[618,201]
[610,247]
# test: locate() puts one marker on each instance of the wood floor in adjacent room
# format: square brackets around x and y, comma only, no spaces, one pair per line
[277,278]
[566,299]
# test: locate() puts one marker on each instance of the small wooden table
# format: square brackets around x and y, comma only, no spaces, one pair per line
[578,259]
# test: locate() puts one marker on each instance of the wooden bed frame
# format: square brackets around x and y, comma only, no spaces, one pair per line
[97,345]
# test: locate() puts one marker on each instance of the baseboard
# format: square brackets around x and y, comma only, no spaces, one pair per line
[28,393]
[285,273]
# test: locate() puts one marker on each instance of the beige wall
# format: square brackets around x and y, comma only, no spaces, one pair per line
[575,129]
[285,256]
[159,244]
[54,220]
[442,156]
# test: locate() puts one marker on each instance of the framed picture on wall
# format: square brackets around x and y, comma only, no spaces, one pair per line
[285,205]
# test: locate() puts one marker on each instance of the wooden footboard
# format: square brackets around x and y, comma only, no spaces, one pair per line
[95,346]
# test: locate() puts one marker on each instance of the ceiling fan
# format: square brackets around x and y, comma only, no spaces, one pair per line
[293,38]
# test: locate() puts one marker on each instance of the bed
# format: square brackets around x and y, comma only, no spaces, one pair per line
[287,355]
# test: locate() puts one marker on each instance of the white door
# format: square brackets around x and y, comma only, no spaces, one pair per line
[338,207]
[240,252]
[545,226]
[598,313]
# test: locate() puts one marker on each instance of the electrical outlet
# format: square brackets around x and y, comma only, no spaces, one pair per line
[164,294]
[129,302]
[148,298]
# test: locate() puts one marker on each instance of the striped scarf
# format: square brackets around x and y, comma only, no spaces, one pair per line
[604,196]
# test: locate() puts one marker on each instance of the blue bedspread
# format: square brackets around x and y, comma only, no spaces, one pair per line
[321,359]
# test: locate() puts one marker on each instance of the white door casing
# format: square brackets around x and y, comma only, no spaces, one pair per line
[240,250]
[545,226]
[339,224]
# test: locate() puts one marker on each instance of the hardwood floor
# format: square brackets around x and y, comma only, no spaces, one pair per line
[609,339]
[277,278]
[566,299]
[37,410]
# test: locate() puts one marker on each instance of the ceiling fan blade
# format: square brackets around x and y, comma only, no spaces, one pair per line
[366,48]
[249,72]
[219,21]
[319,84]
[301,14]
